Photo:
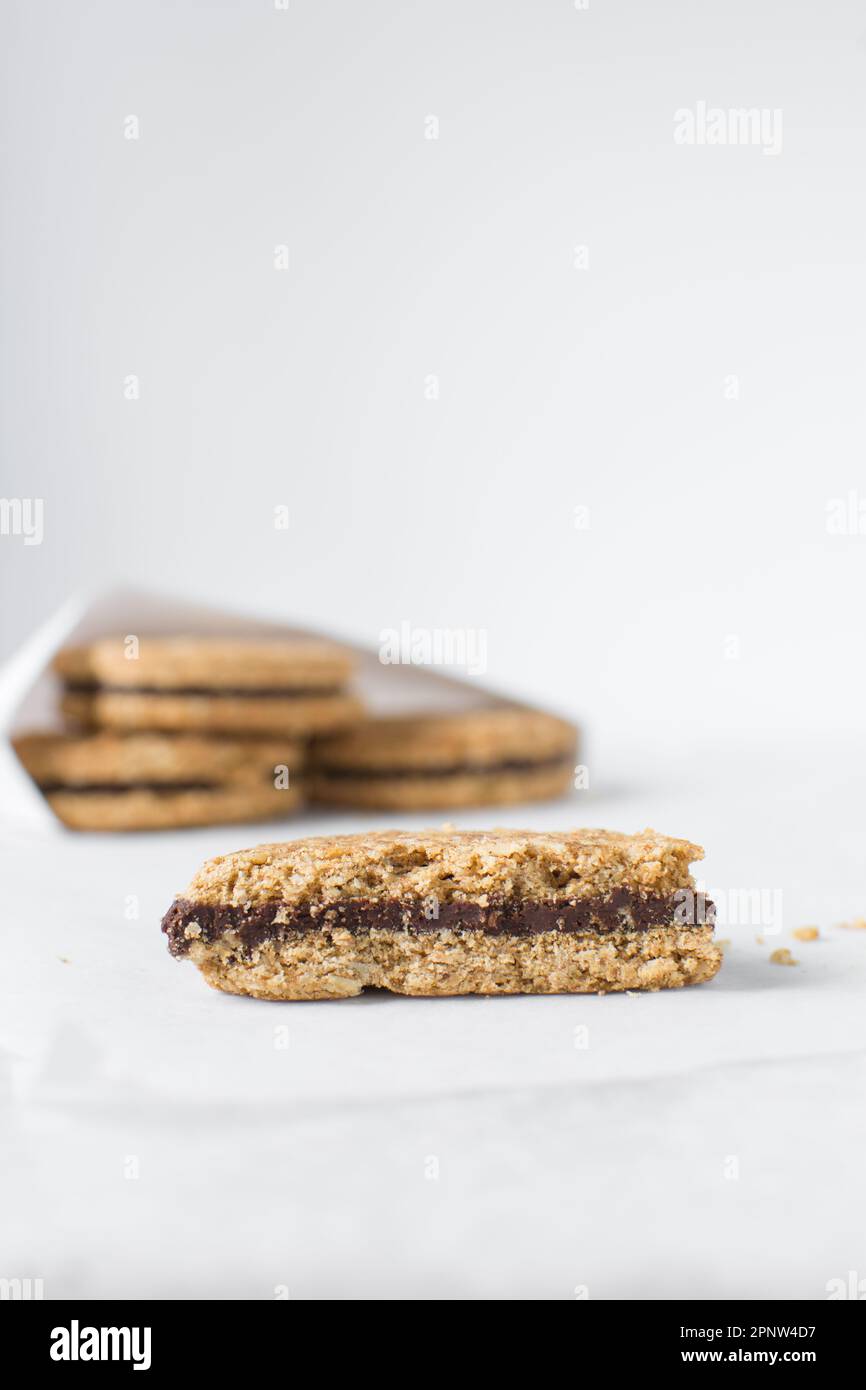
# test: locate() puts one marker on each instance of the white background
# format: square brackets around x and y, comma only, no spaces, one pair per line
[707,629]
[558,387]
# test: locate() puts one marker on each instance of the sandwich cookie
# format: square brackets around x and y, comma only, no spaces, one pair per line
[113,781]
[192,684]
[438,912]
[491,756]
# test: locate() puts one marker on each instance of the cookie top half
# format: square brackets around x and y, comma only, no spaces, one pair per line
[201,663]
[109,758]
[474,738]
[476,864]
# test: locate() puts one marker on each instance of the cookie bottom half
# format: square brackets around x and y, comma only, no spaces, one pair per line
[337,964]
[415,791]
[169,809]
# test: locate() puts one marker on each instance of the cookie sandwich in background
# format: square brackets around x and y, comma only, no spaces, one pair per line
[147,781]
[493,756]
[175,731]
[209,685]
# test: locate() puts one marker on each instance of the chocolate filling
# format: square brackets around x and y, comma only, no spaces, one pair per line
[258,924]
[562,760]
[118,788]
[210,692]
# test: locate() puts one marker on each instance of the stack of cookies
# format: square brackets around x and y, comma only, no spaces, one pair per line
[178,731]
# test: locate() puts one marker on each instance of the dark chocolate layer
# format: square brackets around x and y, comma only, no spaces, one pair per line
[169,788]
[445,770]
[258,924]
[216,692]
[118,788]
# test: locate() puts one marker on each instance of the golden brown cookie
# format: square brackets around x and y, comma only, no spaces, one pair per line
[193,684]
[490,756]
[448,912]
[111,781]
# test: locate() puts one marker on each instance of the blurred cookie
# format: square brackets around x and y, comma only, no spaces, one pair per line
[112,781]
[193,684]
[491,756]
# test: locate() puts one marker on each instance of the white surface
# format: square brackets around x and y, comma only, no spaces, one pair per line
[559,1166]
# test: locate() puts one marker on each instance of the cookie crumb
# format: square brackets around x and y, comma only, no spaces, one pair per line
[783,956]
[723,942]
[805,933]
[859,924]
